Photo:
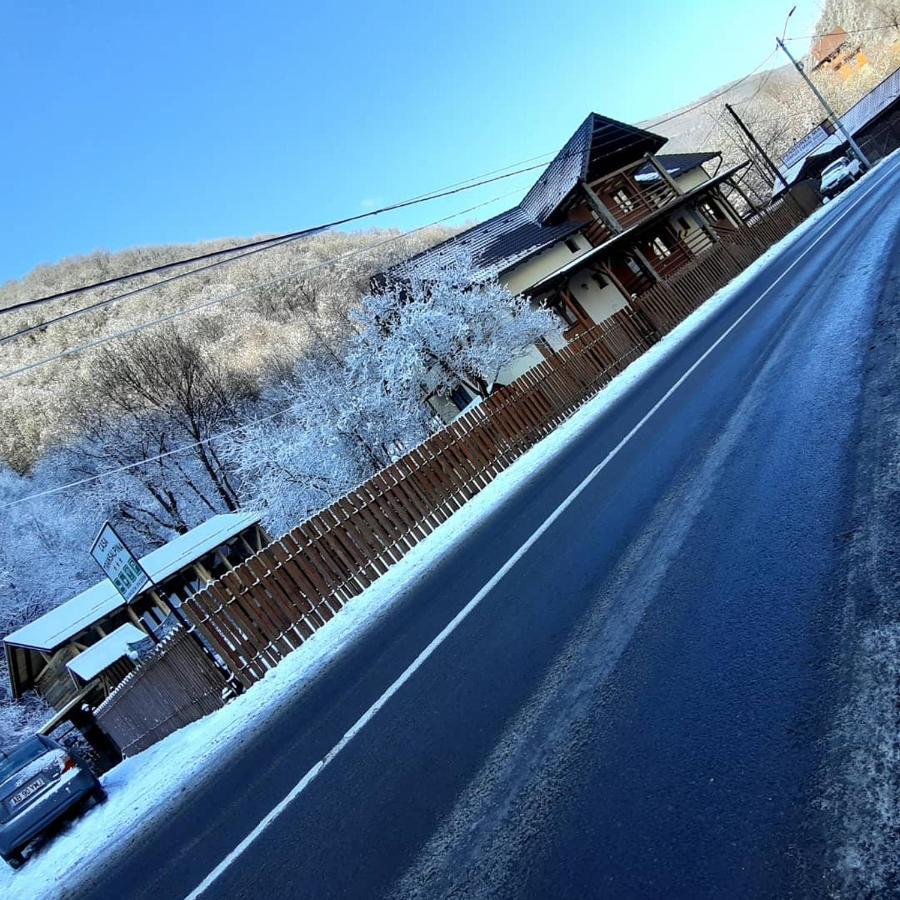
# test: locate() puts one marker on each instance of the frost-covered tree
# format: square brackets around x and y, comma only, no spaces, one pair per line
[429,333]
[339,425]
[44,560]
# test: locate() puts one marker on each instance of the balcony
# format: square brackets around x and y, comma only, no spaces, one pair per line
[630,201]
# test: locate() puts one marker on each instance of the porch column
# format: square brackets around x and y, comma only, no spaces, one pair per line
[646,264]
[648,329]
[606,271]
[575,307]
[598,206]
[743,194]
[730,211]
[703,222]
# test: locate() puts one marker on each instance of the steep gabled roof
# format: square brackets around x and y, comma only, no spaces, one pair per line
[598,146]
[495,245]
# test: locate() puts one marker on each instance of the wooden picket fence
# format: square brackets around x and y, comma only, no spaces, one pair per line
[253,616]
[177,683]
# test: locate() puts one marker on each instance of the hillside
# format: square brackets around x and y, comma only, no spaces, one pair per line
[288,299]
[776,104]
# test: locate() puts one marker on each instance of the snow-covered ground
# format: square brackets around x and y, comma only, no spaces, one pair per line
[144,788]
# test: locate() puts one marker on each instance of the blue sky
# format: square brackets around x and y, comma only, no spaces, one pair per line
[164,122]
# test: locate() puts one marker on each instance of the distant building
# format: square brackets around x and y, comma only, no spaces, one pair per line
[607,220]
[828,48]
[874,123]
[78,651]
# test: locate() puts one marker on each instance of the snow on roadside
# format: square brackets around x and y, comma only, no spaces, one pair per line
[144,788]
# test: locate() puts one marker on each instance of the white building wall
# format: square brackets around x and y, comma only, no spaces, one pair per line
[537,267]
[598,302]
[512,370]
[687,181]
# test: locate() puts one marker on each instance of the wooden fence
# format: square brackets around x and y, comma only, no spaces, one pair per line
[174,685]
[257,613]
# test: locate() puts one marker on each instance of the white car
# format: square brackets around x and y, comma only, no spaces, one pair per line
[838,175]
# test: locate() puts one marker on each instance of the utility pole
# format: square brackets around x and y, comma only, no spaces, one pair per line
[831,114]
[750,136]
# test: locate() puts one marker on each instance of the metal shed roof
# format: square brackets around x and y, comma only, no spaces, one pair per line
[62,623]
[675,164]
[100,656]
[818,142]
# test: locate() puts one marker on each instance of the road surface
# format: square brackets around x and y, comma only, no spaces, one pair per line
[638,701]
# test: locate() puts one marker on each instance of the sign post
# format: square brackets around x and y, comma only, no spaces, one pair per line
[119,563]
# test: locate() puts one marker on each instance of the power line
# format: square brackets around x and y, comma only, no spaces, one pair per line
[807,37]
[266,243]
[275,242]
[711,97]
[58,489]
[128,332]
[178,313]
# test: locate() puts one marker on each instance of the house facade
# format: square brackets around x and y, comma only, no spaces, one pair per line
[609,218]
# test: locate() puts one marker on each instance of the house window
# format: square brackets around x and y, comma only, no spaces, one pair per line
[635,268]
[624,202]
[600,281]
[712,211]
[659,248]
[572,244]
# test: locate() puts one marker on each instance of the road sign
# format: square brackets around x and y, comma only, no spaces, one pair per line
[120,564]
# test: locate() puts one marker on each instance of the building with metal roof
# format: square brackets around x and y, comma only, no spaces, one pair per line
[874,123]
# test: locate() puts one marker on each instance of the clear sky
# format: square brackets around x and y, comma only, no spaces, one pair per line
[129,123]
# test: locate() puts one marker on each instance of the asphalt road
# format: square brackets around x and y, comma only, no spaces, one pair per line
[639,706]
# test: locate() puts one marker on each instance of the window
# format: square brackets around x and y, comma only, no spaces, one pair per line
[600,281]
[712,211]
[658,245]
[624,202]
[572,244]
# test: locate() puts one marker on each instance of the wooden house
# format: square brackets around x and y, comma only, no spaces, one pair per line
[607,220]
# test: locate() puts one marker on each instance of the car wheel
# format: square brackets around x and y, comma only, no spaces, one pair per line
[14,860]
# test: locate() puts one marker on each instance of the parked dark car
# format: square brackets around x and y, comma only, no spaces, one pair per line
[40,781]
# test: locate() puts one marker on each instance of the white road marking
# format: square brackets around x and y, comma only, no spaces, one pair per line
[451,626]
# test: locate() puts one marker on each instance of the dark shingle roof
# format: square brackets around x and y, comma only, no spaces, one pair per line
[675,164]
[495,245]
[599,145]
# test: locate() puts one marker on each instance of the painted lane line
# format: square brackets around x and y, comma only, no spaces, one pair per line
[454,623]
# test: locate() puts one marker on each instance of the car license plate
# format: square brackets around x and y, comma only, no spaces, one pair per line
[29,790]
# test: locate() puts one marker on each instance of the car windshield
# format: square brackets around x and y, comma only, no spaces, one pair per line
[24,753]
[833,167]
